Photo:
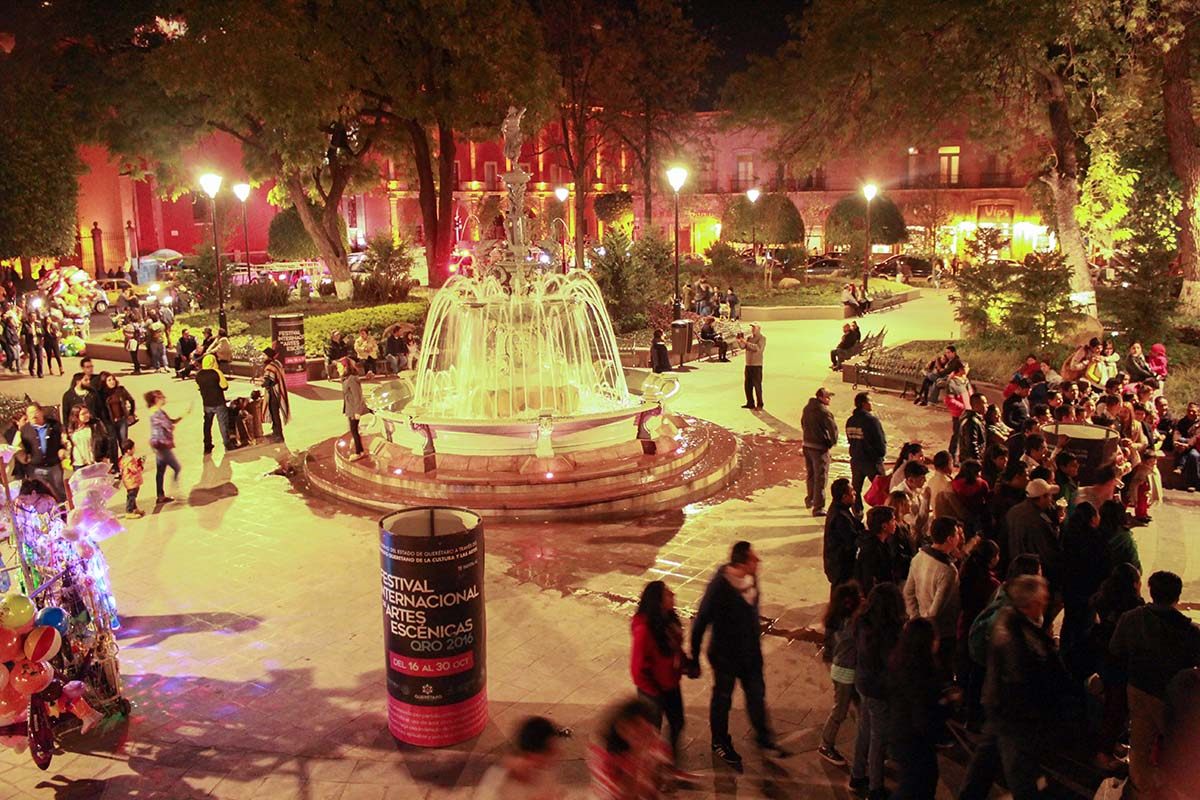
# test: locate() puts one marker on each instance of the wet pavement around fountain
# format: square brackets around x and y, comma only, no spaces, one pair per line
[252,638]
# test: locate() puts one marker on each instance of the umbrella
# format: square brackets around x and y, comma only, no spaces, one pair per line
[166,254]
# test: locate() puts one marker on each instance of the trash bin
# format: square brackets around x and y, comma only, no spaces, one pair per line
[431,566]
[681,338]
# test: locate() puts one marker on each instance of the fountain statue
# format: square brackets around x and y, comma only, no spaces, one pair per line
[519,381]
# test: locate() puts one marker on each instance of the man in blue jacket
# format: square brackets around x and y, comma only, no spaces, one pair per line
[730,607]
[868,445]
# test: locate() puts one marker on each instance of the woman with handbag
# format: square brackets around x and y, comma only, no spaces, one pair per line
[353,405]
[120,407]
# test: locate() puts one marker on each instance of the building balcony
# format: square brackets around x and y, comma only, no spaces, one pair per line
[993,180]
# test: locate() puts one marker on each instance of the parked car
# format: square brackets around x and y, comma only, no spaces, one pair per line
[827,266]
[113,288]
[917,267]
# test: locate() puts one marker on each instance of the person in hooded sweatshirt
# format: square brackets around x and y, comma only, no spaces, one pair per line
[730,608]
[212,384]
[820,435]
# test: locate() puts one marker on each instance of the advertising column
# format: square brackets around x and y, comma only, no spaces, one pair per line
[431,567]
[287,330]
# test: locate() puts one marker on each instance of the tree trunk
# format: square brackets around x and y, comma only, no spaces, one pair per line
[1183,150]
[445,228]
[322,224]
[435,208]
[1064,186]
[647,175]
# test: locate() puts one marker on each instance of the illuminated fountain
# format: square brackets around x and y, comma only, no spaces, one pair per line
[520,384]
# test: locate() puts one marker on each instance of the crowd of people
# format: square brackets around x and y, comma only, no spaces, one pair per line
[400,351]
[31,336]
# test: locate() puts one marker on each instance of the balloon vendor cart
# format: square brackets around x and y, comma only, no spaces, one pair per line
[58,655]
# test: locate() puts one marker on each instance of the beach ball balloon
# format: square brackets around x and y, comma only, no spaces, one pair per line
[30,677]
[10,645]
[16,611]
[42,644]
[12,702]
[53,617]
[3,676]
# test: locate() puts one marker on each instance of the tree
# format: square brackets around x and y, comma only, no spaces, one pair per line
[1143,300]
[38,167]
[846,225]
[1041,310]
[629,275]
[611,207]
[929,210]
[774,219]
[915,65]
[982,288]
[289,240]
[649,110]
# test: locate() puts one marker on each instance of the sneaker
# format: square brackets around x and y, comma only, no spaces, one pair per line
[818,512]
[726,753]
[831,755]
[750,406]
[860,786]
[773,749]
[164,499]
[137,513]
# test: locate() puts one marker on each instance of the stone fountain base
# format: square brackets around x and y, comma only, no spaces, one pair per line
[611,483]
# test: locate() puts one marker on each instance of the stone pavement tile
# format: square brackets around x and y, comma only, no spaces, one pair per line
[363,791]
[202,779]
[322,790]
[235,787]
[329,770]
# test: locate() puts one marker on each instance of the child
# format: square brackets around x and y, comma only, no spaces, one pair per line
[131,478]
[162,439]
[841,653]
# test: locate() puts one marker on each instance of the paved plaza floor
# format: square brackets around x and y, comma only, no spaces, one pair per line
[252,639]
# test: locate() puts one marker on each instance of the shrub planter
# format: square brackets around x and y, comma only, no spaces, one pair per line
[783,313]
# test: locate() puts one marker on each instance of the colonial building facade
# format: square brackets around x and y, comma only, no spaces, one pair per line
[945,190]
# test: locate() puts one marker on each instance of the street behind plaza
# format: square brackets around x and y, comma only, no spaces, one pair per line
[251,642]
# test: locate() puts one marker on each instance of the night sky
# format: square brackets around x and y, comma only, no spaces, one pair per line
[739,29]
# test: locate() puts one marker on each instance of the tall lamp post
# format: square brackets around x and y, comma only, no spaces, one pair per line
[869,192]
[242,192]
[677,176]
[211,184]
[562,193]
[752,195]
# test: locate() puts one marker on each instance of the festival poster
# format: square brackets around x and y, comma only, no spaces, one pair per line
[287,330]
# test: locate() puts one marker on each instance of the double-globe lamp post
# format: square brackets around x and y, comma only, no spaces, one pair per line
[562,193]
[677,176]
[211,184]
[752,195]
[869,192]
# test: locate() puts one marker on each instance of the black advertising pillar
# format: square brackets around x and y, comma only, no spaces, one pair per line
[431,566]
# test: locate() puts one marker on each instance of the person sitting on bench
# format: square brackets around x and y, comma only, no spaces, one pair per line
[708,333]
[851,336]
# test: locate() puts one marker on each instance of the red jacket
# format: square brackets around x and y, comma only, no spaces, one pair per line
[653,671]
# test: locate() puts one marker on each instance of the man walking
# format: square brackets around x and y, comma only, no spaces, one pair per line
[42,451]
[754,345]
[730,607]
[212,384]
[931,590]
[820,434]
[868,445]
[1153,643]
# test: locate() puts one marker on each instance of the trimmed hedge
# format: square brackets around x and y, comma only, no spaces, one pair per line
[377,318]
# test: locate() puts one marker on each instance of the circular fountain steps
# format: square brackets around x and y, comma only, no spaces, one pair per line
[638,486]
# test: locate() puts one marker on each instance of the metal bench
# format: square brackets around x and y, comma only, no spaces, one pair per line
[866,345]
[883,364]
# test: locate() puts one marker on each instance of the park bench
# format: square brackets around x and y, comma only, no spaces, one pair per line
[883,364]
[866,345]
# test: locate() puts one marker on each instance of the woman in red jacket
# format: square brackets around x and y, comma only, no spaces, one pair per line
[658,661]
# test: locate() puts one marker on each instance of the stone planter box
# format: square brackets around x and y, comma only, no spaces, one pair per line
[781,313]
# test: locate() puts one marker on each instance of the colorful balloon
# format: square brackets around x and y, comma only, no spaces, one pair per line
[3,677]
[42,643]
[16,611]
[73,690]
[30,677]
[10,645]
[53,617]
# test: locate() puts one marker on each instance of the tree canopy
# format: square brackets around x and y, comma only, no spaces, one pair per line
[846,225]
[773,219]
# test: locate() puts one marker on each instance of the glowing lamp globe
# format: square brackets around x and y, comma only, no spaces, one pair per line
[562,193]
[241,191]
[869,191]
[752,195]
[210,183]
[677,176]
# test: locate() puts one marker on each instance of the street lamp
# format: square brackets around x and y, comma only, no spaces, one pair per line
[242,192]
[677,176]
[211,184]
[752,195]
[869,192]
[562,193]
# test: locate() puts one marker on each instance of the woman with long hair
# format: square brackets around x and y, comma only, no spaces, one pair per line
[841,655]
[995,459]
[915,709]
[353,405]
[629,758]
[909,451]
[876,632]
[658,661]
[120,406]
[86,437]
[274,381]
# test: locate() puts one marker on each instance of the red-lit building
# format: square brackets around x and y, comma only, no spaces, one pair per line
[952,186]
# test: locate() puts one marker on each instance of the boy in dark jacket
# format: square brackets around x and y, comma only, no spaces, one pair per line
[874,563]
[842,531]
[730,608]
[868,445]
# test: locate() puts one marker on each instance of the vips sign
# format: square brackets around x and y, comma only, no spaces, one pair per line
[287,330]
[431,567]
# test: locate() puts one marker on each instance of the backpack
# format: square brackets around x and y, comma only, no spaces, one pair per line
[980,634]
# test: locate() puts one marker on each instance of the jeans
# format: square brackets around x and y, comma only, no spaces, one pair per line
[52,479]
[1190,468]
[753,384]
[844,695]
[273,407]
[870,745]
[222,415]
[158,355]
[669,704]
[955,428]
[120,432]
[133,357]
[354,434]
[163,458]
[863,472]
[131,499]
[52,353]
[936,390]
[1007,753]
[816,463]
[10,357]
[396,362]
[722,699]
[35,352]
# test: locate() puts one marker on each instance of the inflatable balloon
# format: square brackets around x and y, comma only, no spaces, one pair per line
[10,645]
[73,690]
[11,701]
[16,611]
[3,677]
[30,677]
[42,644]
[53,617]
